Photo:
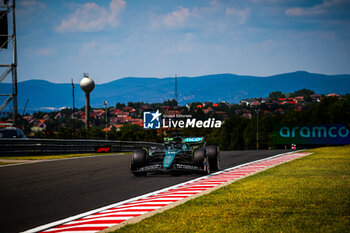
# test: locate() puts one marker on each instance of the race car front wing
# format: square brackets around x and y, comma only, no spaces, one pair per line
[174,167]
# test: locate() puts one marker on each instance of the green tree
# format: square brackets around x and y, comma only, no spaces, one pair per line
[231,136]
[249,135]
[171,103]
[276,95]
[96,133]
[120,105]
[130,132]
[305,93]
[64,133]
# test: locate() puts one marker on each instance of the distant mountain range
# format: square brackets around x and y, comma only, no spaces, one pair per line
[232,88]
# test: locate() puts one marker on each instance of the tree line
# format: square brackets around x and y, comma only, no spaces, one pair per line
[237,132]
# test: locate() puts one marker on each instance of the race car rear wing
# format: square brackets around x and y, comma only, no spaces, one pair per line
[188,140]
[194,140]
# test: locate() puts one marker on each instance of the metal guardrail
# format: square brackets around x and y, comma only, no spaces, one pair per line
[18,146]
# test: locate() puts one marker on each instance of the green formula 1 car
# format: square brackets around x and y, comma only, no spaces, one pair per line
[177,155]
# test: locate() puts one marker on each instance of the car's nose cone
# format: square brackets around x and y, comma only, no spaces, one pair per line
[169,158]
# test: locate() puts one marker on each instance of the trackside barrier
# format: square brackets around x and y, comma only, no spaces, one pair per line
[18,146]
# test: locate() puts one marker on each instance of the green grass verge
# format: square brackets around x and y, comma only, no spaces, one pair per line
[310,194]
[45,157]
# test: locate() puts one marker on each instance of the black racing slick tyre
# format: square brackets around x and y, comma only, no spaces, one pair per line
[201,159]
[213,157]
[199,156]
[138,159]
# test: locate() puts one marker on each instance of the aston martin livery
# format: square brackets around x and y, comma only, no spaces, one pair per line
[177,155]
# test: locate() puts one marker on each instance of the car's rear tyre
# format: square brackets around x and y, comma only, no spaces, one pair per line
[138,159]
[199,156]
[213,157]
[201,159]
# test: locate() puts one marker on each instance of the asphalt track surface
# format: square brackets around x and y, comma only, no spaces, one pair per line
[39,193]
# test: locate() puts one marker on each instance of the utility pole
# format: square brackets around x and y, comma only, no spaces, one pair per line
[73,110]
[176,96]
[257,129]
[25,107]
[105,103]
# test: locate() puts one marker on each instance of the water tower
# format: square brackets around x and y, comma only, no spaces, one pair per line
[87,85]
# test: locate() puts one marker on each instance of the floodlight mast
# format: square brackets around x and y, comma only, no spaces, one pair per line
[5,8]
[87,85]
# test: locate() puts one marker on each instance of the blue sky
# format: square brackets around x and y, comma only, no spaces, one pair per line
[112,39]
